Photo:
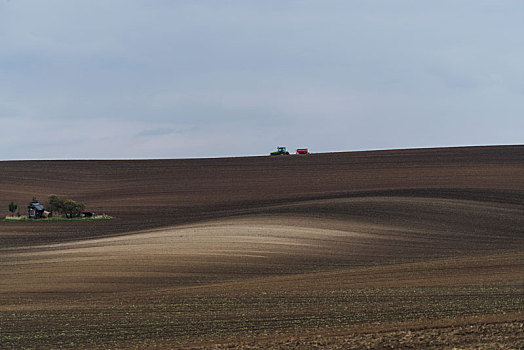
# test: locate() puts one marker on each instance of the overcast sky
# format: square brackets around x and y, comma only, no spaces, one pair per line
[205,78]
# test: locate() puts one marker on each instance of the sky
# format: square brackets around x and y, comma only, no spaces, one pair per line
[100,79]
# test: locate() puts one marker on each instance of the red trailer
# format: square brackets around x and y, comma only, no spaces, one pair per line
[302,151]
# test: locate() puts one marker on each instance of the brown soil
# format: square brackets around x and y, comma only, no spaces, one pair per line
[408,248]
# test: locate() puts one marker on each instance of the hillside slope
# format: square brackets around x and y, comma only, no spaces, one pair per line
[420,248]
[144,194]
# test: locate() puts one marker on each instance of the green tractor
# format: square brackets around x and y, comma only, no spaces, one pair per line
[281,151]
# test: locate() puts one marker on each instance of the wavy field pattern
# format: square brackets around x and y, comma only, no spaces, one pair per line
[363,249]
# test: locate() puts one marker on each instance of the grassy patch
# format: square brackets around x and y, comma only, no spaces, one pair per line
[55,219]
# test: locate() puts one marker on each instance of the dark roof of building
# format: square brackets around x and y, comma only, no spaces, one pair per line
[37,206]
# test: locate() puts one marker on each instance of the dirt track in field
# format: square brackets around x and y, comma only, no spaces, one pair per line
[283,252]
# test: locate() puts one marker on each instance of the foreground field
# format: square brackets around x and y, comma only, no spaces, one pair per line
[420,248]
[435,299]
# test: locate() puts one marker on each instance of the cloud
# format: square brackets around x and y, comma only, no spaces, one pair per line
[154,132]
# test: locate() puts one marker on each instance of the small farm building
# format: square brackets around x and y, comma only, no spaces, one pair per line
[36,210]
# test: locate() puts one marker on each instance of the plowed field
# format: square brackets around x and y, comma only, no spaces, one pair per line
[407,248]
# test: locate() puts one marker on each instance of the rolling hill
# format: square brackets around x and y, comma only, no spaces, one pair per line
[420,247]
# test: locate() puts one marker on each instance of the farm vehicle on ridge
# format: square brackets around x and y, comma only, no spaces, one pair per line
[281,151]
